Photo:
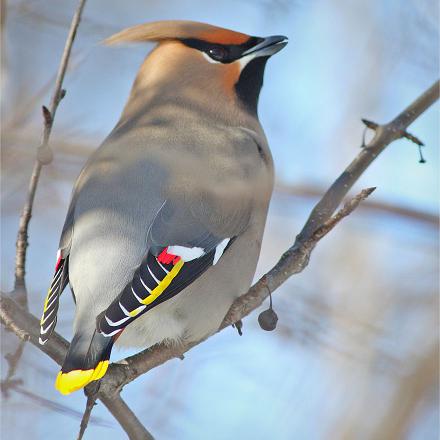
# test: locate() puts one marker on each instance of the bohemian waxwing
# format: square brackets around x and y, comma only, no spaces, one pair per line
[166,219]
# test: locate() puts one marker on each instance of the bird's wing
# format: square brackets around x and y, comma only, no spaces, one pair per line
[59,281]
[181,248]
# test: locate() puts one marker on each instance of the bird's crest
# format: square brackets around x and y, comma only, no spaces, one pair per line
[177,30]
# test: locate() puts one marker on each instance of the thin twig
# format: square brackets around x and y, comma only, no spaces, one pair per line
[91,402]
[27,327]
[384,135]
[347,209]
[13,359]
[126,417]
[315,192]
[44,156]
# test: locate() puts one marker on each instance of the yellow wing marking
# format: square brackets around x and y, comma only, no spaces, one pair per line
[156,292]
[45,305]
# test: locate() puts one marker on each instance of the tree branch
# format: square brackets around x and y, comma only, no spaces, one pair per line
[374,206]
[126,417]
[27,327]
[44,156]
[12,359]
[294,260]
[384,135]
[91,402]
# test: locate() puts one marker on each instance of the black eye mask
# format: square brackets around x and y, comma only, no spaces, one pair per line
[220,52]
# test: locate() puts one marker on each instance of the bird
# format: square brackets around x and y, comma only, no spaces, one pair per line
[165,222]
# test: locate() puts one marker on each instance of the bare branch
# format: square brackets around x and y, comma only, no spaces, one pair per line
[13,359]
[126,417]
[294,260]
[136,365]
[384,135]
[26,326]
[314,192]
[91,402]
[44,156]
[56,350]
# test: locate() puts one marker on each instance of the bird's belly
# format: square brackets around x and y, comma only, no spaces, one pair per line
[198,310]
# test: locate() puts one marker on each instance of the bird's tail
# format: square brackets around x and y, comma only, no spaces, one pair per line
[87,360]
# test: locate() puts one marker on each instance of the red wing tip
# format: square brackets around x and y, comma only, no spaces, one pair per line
[165,258]
[59,259]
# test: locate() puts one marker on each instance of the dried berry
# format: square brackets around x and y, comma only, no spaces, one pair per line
[268,320]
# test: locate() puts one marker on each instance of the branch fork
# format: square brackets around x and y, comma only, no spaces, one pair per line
[399,133]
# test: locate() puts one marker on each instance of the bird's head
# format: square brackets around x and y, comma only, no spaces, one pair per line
[202,62]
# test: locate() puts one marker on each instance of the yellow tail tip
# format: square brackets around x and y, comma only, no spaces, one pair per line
[67,383]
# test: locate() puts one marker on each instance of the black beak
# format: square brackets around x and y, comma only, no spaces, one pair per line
[268,47]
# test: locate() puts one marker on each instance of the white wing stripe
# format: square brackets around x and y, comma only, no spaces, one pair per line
[114,324]
[57,275]
[52,294]
[146,287]
[44,330]
[111,333]
[152,274]
[45,319]
[124,310]
[158,262]
[220,249]
[49,305]
[134,293]
[55,286]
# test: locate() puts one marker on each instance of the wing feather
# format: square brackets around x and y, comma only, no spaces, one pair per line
[156,280]
[59,282]
[180,249]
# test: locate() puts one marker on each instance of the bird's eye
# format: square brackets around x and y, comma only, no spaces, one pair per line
[217,53]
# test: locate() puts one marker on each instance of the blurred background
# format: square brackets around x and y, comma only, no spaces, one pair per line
[355,354]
